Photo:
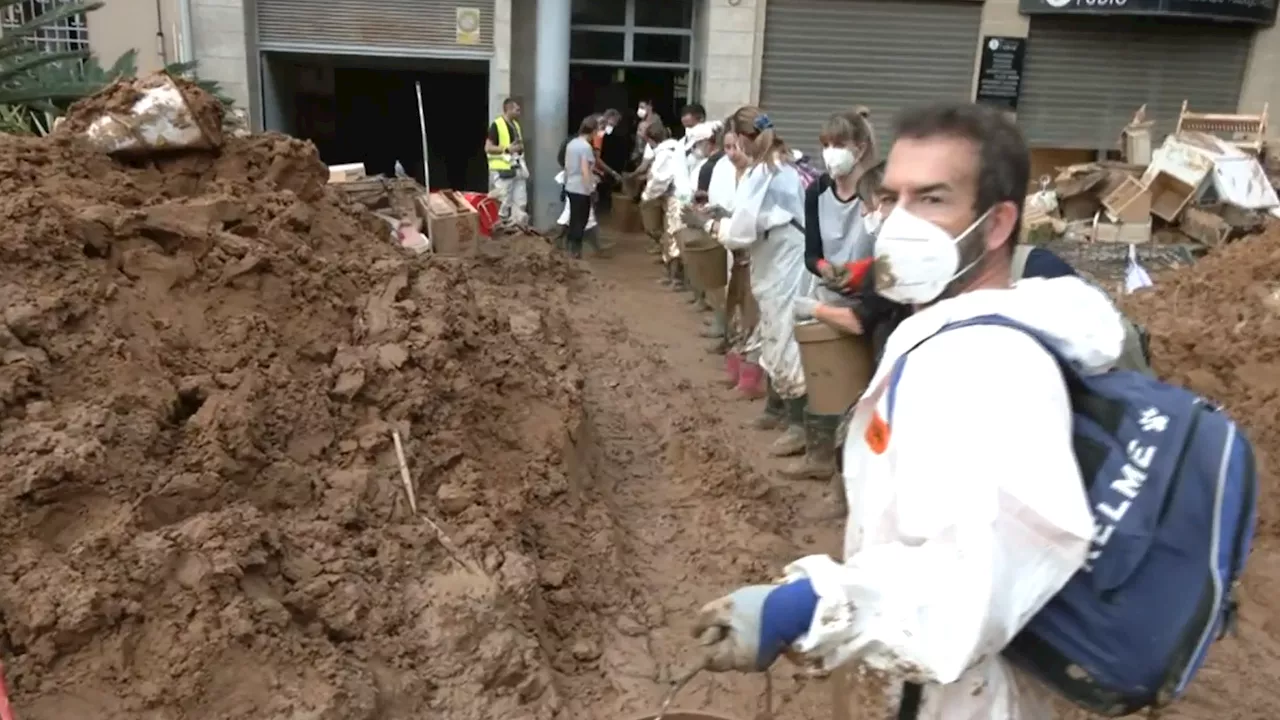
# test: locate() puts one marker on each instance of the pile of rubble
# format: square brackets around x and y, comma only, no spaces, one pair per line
[1195,191]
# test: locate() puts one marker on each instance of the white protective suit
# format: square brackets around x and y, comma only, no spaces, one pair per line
[767,201]
[967,512]
[669,178]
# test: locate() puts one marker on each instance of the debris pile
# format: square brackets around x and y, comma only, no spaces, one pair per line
[205,360]
[1194,192]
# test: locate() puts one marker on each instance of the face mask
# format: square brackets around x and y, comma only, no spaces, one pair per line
[608,129]
[872,222]
[641,113]
[839,161]
[916,260]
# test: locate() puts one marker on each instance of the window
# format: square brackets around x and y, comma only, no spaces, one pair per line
[586,45]
[661,48]
[664,13]
[599,12]
[68,34]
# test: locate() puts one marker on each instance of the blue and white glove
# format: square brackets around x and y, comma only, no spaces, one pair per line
[749,628]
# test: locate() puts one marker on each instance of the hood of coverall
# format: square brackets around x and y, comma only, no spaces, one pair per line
[1077,318]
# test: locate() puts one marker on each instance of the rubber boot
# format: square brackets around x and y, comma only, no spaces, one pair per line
[792,442]
[678,281]
[819,461]
[753,384]
[716,330]
[668,277]
[701,304]
[732,369]
[695,297]
[775,408]
[718,347]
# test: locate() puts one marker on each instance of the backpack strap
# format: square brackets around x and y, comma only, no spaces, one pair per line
[708,169]
[1018,263]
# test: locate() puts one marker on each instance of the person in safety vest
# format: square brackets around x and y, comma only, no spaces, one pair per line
[504,147]
[767,213]
[967,511]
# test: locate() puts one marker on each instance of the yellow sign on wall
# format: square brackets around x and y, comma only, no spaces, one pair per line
[467,25]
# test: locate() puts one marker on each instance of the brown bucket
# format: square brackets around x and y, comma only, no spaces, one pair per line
[632,185]
[653,216]
[623,215]
[837,366]
[706,262]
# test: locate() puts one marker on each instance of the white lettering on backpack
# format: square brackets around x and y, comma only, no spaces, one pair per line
[1108,513]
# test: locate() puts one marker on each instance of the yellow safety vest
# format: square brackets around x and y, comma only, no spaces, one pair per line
[498,163]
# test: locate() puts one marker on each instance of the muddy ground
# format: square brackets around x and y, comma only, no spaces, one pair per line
[204,360]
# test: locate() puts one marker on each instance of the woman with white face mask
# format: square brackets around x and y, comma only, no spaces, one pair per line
[836,228]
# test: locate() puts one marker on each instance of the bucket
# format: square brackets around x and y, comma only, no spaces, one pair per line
[837,366]
[653,216]
[706,262]
[632,185]
[623,215]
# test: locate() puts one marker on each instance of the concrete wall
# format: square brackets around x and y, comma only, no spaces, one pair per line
[124,25]
[524,39]
[734,48]
[1262,78]
[501,62]
[999,17]
[221,39]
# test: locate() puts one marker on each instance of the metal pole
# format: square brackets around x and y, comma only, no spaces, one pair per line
[422,125]
[550,108]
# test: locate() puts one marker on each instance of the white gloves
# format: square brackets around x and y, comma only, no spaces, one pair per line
[805,308]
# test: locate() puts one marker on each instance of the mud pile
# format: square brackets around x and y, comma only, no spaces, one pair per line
[1215,328]
[202,360]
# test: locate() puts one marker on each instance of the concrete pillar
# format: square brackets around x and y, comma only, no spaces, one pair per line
[999,18]
[1261,84]
[550,124]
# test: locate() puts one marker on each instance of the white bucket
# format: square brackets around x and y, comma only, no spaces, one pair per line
[160,121]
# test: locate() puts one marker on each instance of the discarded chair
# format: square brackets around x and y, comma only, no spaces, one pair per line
[1246,132]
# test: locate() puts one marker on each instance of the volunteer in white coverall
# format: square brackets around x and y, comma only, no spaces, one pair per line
[701,141]
[669,180]
[766,222]
[967,509]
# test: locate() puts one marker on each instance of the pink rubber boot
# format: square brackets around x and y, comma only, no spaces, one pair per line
[751,381]
[732,368]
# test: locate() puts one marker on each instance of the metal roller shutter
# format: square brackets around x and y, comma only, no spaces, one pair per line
[401,28]
[1085,77]
[823,56]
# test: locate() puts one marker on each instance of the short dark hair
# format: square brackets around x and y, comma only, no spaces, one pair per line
[657,132]
[1004,162]
[611,114]
[507,103]
[589,125]
[695,110]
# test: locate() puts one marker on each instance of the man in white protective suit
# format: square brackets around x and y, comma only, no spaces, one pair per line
[967,511]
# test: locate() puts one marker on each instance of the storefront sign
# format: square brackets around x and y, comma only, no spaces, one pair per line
[1000,74]
[1261,12]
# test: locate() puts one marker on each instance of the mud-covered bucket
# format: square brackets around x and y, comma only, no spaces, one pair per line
[623,215]
[653,216]
[706,262]
[837,366]
[159,117]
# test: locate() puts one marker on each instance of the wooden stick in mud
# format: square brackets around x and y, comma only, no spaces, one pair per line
[454,551]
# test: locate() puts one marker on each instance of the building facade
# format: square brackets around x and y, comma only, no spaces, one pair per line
[1082,66]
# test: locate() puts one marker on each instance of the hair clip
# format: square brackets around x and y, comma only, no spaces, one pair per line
[763,122]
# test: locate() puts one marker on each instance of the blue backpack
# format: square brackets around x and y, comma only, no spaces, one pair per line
[1173,488]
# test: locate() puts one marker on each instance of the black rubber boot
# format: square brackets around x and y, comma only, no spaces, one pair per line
[819,461]
[668,274]
[792,442]
[678,281]
[717,326]
[775,411]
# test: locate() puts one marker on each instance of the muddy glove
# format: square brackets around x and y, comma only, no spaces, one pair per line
[753,625]
[844,278]
[695,217]
[805,308]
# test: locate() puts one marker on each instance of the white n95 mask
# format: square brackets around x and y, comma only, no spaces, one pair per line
[608,129]
[916,260]
[641,112]
[872,222]
[839,160]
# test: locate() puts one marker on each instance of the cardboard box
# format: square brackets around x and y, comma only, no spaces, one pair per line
[346,173]
[1135,233]
[452,224]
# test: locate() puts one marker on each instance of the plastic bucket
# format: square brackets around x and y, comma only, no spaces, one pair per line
[837,366]
[623,215]
[653,216]
[706,262]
